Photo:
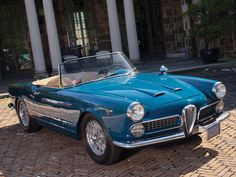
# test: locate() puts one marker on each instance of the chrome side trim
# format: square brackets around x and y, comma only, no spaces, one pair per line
[44,115]
[222,117]
[204,107]
[47,100]
[37,109]
[150,142]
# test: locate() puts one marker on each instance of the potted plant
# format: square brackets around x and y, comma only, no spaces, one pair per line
[211,20]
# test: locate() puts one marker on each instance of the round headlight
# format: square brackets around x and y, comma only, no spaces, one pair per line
[219,89]
[135,111]
[137,130]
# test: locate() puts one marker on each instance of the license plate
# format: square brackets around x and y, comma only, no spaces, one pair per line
[213,131]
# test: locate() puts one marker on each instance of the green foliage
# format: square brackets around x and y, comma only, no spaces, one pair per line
[212,19]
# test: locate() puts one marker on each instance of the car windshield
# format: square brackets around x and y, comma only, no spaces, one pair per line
[92,68]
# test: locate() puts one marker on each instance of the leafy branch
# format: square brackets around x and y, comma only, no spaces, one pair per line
[212,19]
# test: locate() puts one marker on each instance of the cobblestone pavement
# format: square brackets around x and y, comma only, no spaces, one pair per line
[47,153]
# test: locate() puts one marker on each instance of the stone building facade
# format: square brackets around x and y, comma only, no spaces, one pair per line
[142,29]
[173,27]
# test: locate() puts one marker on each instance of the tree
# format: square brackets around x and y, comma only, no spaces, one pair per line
[212,19]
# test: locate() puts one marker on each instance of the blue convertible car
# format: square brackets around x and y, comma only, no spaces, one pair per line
[105,101]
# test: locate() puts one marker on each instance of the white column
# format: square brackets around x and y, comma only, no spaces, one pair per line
[114,26]
[53,41]
[131,30]
[35,38]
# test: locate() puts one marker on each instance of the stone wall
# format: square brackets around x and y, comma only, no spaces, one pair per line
[173,25]
[228,46]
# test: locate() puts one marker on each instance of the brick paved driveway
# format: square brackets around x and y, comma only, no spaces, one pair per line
[47,153]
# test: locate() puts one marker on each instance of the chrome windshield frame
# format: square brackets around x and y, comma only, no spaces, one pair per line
[87,57]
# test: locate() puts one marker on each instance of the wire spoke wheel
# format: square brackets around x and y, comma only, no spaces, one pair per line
[23,114]
[96,137]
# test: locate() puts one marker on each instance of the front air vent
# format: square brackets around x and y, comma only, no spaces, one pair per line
[207,114]
[163,124]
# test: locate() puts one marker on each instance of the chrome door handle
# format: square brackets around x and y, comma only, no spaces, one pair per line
[36,93]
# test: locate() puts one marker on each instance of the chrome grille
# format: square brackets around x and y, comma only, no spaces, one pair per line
[163,124]
[189,115]
[207,114]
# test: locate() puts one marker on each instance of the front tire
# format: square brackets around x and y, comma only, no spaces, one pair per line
[97,141]
[27,123]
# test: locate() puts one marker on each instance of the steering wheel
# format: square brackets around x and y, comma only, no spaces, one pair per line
[106,71]
[103,71]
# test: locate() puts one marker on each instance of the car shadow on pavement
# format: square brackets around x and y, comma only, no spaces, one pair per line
[47,153]
[171,159]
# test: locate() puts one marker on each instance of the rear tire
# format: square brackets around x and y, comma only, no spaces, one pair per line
[27,123]
[97,141]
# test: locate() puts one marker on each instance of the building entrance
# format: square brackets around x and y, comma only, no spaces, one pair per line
[15,55]
[149,23]
[80,26]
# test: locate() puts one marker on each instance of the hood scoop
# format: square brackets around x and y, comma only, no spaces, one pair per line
[158,94]
[177,89]
[172,89]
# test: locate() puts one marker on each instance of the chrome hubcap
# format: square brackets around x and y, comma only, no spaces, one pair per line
[96,137]
[24,116]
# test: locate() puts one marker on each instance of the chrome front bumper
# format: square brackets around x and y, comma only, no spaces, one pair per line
[222,117]
[180,135]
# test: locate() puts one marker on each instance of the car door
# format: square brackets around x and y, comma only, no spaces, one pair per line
[70,110]
[47,105]
[56,110]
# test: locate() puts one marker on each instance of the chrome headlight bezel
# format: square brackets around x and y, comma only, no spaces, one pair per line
[132,111]
[137,130]
[219,90]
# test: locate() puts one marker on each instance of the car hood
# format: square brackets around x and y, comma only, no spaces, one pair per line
[146,88]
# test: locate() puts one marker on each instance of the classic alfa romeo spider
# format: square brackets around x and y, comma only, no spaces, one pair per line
[107,103]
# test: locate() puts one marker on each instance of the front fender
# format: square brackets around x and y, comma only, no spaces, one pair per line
[115,124]
[111,112]
[204,85]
